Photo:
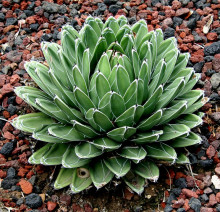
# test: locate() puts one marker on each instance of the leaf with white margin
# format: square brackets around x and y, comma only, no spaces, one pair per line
[185,141]
[182,159]
[54,155]
[79,183]
[190,120]
[147,137]
[37,156]
[106,143]
[87,150]
[65,132]
[135,182]
[122,133]
[147,170]
[100,174]
[64,178]
[118,165]
[71,160]
[133,153]
[171,131]
[161,151]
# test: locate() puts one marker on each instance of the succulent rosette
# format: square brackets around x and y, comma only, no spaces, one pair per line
[115,100]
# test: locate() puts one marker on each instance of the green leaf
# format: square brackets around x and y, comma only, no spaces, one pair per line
[172,131]
[94,23]
[32,122]
[133,153]
[109,35]
[37,156]
[43,135]
[161,151]
[81,180]
[173,112]
[127,43]
[185,141]
[80,48]
[182,159]
[106,143]
[83,100]
[118,165]
[104,65]
[64,178]
[135,182]
[130,97]
[196,106]
[54,155]
[86,66]
[136,63]
[71,160]
[148,137]
[147,170]
[102,85]
[150,104]
[100,174]
[122,80]
[124,61]
[151,121]
[65,132]
[121,134]
[87,150]
[190,120]
[85,130]
[105,105]
[117,104]
[112,23]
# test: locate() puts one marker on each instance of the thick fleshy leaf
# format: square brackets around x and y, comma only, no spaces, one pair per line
[161,151]
[194,107]
[54,155]
[87,150]
[105,105]
[147,170]
[117,104]
[172,131]
[71,160]
[135,182]
[147,137]
[118,165]
[123,80]
[185,141]
[37,156]
[182,159]
[106,143]
[121,134]
[102,85]
[151,121]
[64,178]
[133,153]
[100,174]
[190,120]
[81,179]
[66,132]
[32,122]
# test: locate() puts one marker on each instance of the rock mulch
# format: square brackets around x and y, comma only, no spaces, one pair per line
[24,24]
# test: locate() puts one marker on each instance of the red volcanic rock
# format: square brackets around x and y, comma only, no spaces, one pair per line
[186,205]
[176,5]
[26,186]
[51,205]
[216,63]
[218,197]
[212,200]
[210,152]
[189,193]
[205,209]
[182,11]
[8,135]
[217,170]
[14,79]
[8,28]
[2,80]
[3,174]
[6,89]
[178,203]
[212,36]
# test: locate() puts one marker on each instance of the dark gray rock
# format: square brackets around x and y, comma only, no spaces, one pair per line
[7,148]
[177,191]
[34,27]
[218,208]
[168,208]
[20,201]
[198,67]
[208,58]
[62,9]
[50,7]
[210,72]
[12,109]
[28,13]
[2,17]
[191,23]
[195,204]
[8,182]
[214,97]
[204,198]
[181,210]
[193,159]
[11,99]
[169,32]
[109,2]
[73,12]
[212,49]
[154,2]
[205,163]
[11,21]
[2,123]
[180,183]
[114,9]
[11,172]
[33,200]
[171,198]
[177,21]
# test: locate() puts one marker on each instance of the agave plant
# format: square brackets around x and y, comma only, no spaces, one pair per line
[115,100]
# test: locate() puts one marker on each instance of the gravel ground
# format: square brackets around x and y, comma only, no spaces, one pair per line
[24,187]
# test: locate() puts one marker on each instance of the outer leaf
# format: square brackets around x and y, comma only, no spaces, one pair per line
[64,178]
[106,143]
[182,159]
[118,165]
[161,151]
[121,134]
[87,150]
[147,137]
[147,170]
[100,174]
[190,120]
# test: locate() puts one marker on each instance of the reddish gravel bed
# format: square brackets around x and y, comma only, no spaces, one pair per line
[25,187]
